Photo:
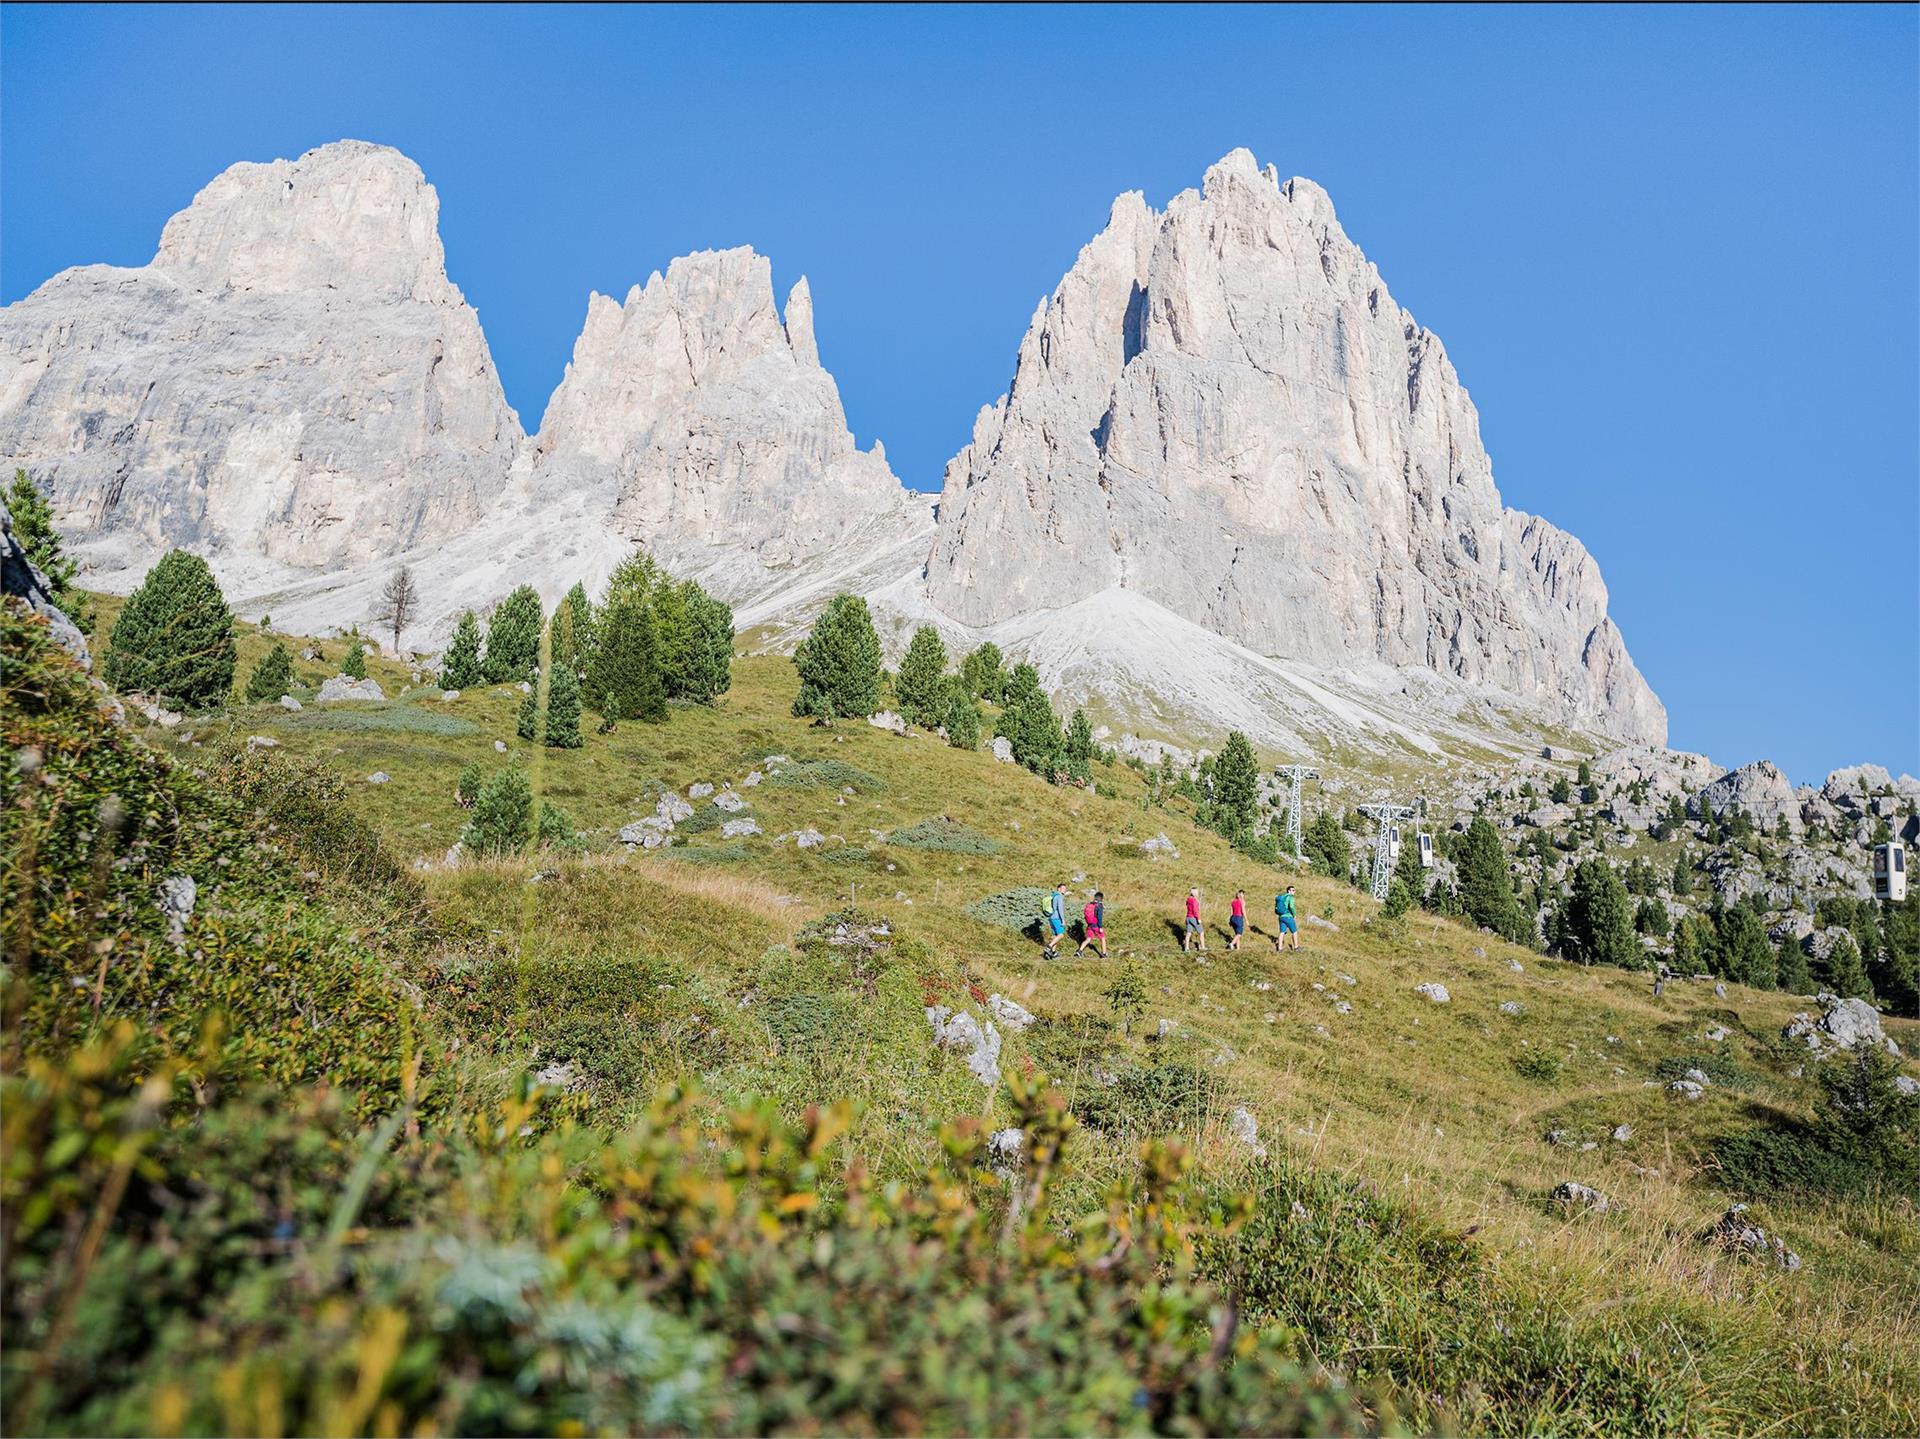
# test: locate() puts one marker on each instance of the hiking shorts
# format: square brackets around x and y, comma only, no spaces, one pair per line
[1239,924]
[1055,925]
[1096,933]
[1287,925]
[1193,925]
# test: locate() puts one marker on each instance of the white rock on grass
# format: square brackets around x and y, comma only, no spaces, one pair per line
[1716,1034]
[728,801]
[1318,923]
[1571,1195]
[1687,1089]
[448,696]
[1622,1133]
[1012,1015]
[808,838]
[1435,992]
[176,897]
[499,746]
[1159,845]
[1516,966]
[1244,1127]
[699,790]
[753,778]
[739,828]
[672,809]
[1513,1007]
[1842,1024]
[1006,1148]
[340,689]
[379,776]
[1739,1235]
[887,720]
[261,741]
[1002,748]
[961,1031]
[288,702]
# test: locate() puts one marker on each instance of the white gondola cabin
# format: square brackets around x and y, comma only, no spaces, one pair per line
[1426,851]
[1890,871]
[1393,842]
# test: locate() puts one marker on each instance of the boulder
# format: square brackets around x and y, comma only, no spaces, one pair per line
[728,801]
[1002,748]
[379,777]
[1571,1195]
[739,828]
[261,741]
[887,720]
[1159,845]
[341,689]
[672,809]
[175,897]
[1841,1024]
[1737,1234]
[1012,1015]
[699,790]
[1759,789]
[288,702]
[808,838]
[1246,1129]
[1434,991]
[958,1030]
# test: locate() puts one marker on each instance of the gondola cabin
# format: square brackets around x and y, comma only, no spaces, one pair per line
[1426,851]
[1393,842]
[1890,872]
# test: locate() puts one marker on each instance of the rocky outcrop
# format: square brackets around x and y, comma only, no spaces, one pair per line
[293,382]
[1758,790]
[706,417]
[1221,408]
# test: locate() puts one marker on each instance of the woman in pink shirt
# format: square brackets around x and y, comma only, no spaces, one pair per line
[1194,931]
[1239,918]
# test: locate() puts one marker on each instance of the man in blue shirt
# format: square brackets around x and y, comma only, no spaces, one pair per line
[1056,921]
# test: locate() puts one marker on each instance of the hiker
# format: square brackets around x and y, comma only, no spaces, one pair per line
[1056,920]
[1661,974]
[1239,918]
[1194,931]
[1283,910]
[1094,917]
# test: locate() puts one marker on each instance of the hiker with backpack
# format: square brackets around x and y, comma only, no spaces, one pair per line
[1055,923]
[1094,917]
[1284,912]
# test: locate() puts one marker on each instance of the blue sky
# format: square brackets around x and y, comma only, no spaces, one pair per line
[1675,254]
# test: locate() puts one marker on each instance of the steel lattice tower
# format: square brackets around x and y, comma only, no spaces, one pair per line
[1296,776]
[1384,815]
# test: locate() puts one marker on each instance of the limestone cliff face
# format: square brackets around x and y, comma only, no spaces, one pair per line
[709,421]
[1222,408]
[292,379]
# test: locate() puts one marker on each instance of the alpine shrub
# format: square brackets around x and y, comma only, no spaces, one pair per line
[921,688]
[461,668]
[839,663]
[502,816]
[513,638]
[563,708]
[272,676]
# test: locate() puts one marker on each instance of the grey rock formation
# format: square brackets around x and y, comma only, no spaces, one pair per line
[21,578]
[1573,1195]
[708,423]
[1739,1235]
[739,828]
[176,897]
[340,689]
[293,382]
[1758,789]
[1222,409]
[1841,1024]
[1014,1016]
[1434,991]
[979,1042]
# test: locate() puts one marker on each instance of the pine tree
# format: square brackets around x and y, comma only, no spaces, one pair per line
[1407,870]
[1326,847]
[1033,730]
[1682,882]
[921,686]
[1486,883]
[625,680]
[570,631]
[1024,681]
[354,666]
[34,532]
[1560,792]
[1895,967]
[563,708]
[710,666]
[1745,955]
[984,673]
[676,642]
[555,831]
[461,668]
[1842,972]
[174,638]
[527,722]
[963,717]
[513,638]
[839,663]
[466,789]
[1599,918]
[633,580]
[502,816]
[1399,898]
[1790,966]
[272,676]
[1077,748]
[1236,786]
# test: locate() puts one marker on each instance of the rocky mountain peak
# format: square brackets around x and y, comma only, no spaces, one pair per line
[345,216]
[1222,408]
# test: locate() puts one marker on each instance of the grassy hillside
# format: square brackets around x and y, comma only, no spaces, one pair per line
[1396,1240]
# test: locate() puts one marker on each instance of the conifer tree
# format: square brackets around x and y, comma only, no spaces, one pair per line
[675,639]
[570,631]
[839,663]
[1033,730]
[1790,966]
[921,686]
[502,816]
[527,722]
[563,708]
[461,668]
[1077,749]
[963,717]
[513,638]
[984,674]
[272,676]
[399,602]
[625,681]
[709,663]
[34,532]
[1842,971]
[1407,871]
[1598,924]
[1024,681]
[1745,955]
[1236,786]
[174,638]
[354,666]
[1486,883]
[1326,847]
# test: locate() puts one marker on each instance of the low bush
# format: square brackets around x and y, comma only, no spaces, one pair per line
[1169,1096]
[945,835]
[396,718]
[1020,910]
[826,774]
[1720,1071]
[1540,1067]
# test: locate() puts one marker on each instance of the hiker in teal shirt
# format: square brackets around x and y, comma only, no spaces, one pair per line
[1284,912]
